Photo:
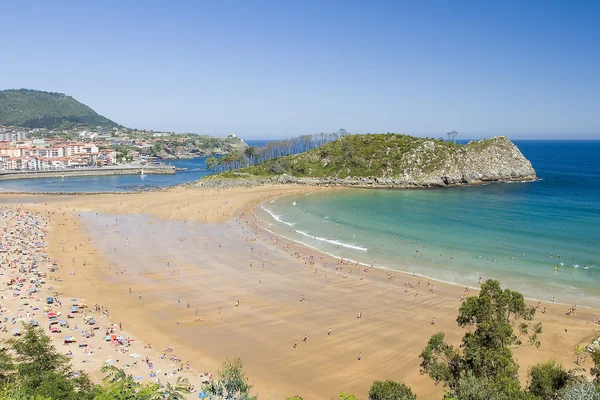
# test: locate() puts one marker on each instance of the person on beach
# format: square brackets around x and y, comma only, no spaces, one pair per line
[329,332]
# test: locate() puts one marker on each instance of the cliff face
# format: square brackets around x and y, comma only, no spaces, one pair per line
[389,161]
[496,159]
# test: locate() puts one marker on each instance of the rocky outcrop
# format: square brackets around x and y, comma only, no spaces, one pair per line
[423,165]
[198,147]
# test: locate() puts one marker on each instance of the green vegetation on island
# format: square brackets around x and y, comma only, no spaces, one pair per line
[37,109]
[391,159]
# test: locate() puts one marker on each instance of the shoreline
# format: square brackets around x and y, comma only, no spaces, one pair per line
[405,273]
[391,323]
[351,183]
[103,171]
[196,185]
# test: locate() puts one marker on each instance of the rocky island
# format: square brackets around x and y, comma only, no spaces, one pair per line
[388,161]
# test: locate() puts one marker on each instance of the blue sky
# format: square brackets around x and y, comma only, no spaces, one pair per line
[274,69]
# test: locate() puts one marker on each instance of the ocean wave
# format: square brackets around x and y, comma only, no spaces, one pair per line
[277,217]
[335,242]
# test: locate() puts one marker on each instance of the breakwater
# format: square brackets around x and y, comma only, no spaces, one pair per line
[163,170]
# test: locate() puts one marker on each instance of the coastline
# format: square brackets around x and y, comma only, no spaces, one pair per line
[381,300]
[403,273]
[103,171]
[358,183]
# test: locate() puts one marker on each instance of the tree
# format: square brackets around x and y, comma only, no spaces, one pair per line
[251,152]
[120,386]
[470,387]
[595,370]
[579,389]
[41,370]
[452,136]
[486,353]
[211,163]
[546,379]
[232,383]
[390,390]
[7,368]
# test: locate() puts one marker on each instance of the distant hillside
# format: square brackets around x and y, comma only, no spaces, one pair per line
[389,160]
[37,109]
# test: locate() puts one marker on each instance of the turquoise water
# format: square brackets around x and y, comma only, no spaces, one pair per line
[515,232]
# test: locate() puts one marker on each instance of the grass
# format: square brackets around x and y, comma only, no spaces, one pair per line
[370,155]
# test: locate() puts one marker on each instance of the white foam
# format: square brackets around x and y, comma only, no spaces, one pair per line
[277,217]
[335,242]
[406,272]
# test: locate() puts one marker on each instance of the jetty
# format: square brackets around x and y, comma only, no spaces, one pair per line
[92,171]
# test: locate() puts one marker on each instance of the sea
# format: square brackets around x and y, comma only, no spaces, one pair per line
[541,238]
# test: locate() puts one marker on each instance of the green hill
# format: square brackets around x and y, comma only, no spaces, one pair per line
[389,160]
[37,109]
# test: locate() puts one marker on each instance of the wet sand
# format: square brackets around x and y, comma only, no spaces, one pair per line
[262,330]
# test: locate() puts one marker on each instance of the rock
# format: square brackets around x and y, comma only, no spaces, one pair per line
[492,160]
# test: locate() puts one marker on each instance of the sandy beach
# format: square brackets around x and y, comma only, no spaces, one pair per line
[202,247]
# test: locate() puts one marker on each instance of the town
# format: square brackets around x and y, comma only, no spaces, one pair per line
[23,149]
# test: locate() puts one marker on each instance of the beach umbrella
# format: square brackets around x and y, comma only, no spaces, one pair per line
[15,330]
[202,395]
[74,309]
